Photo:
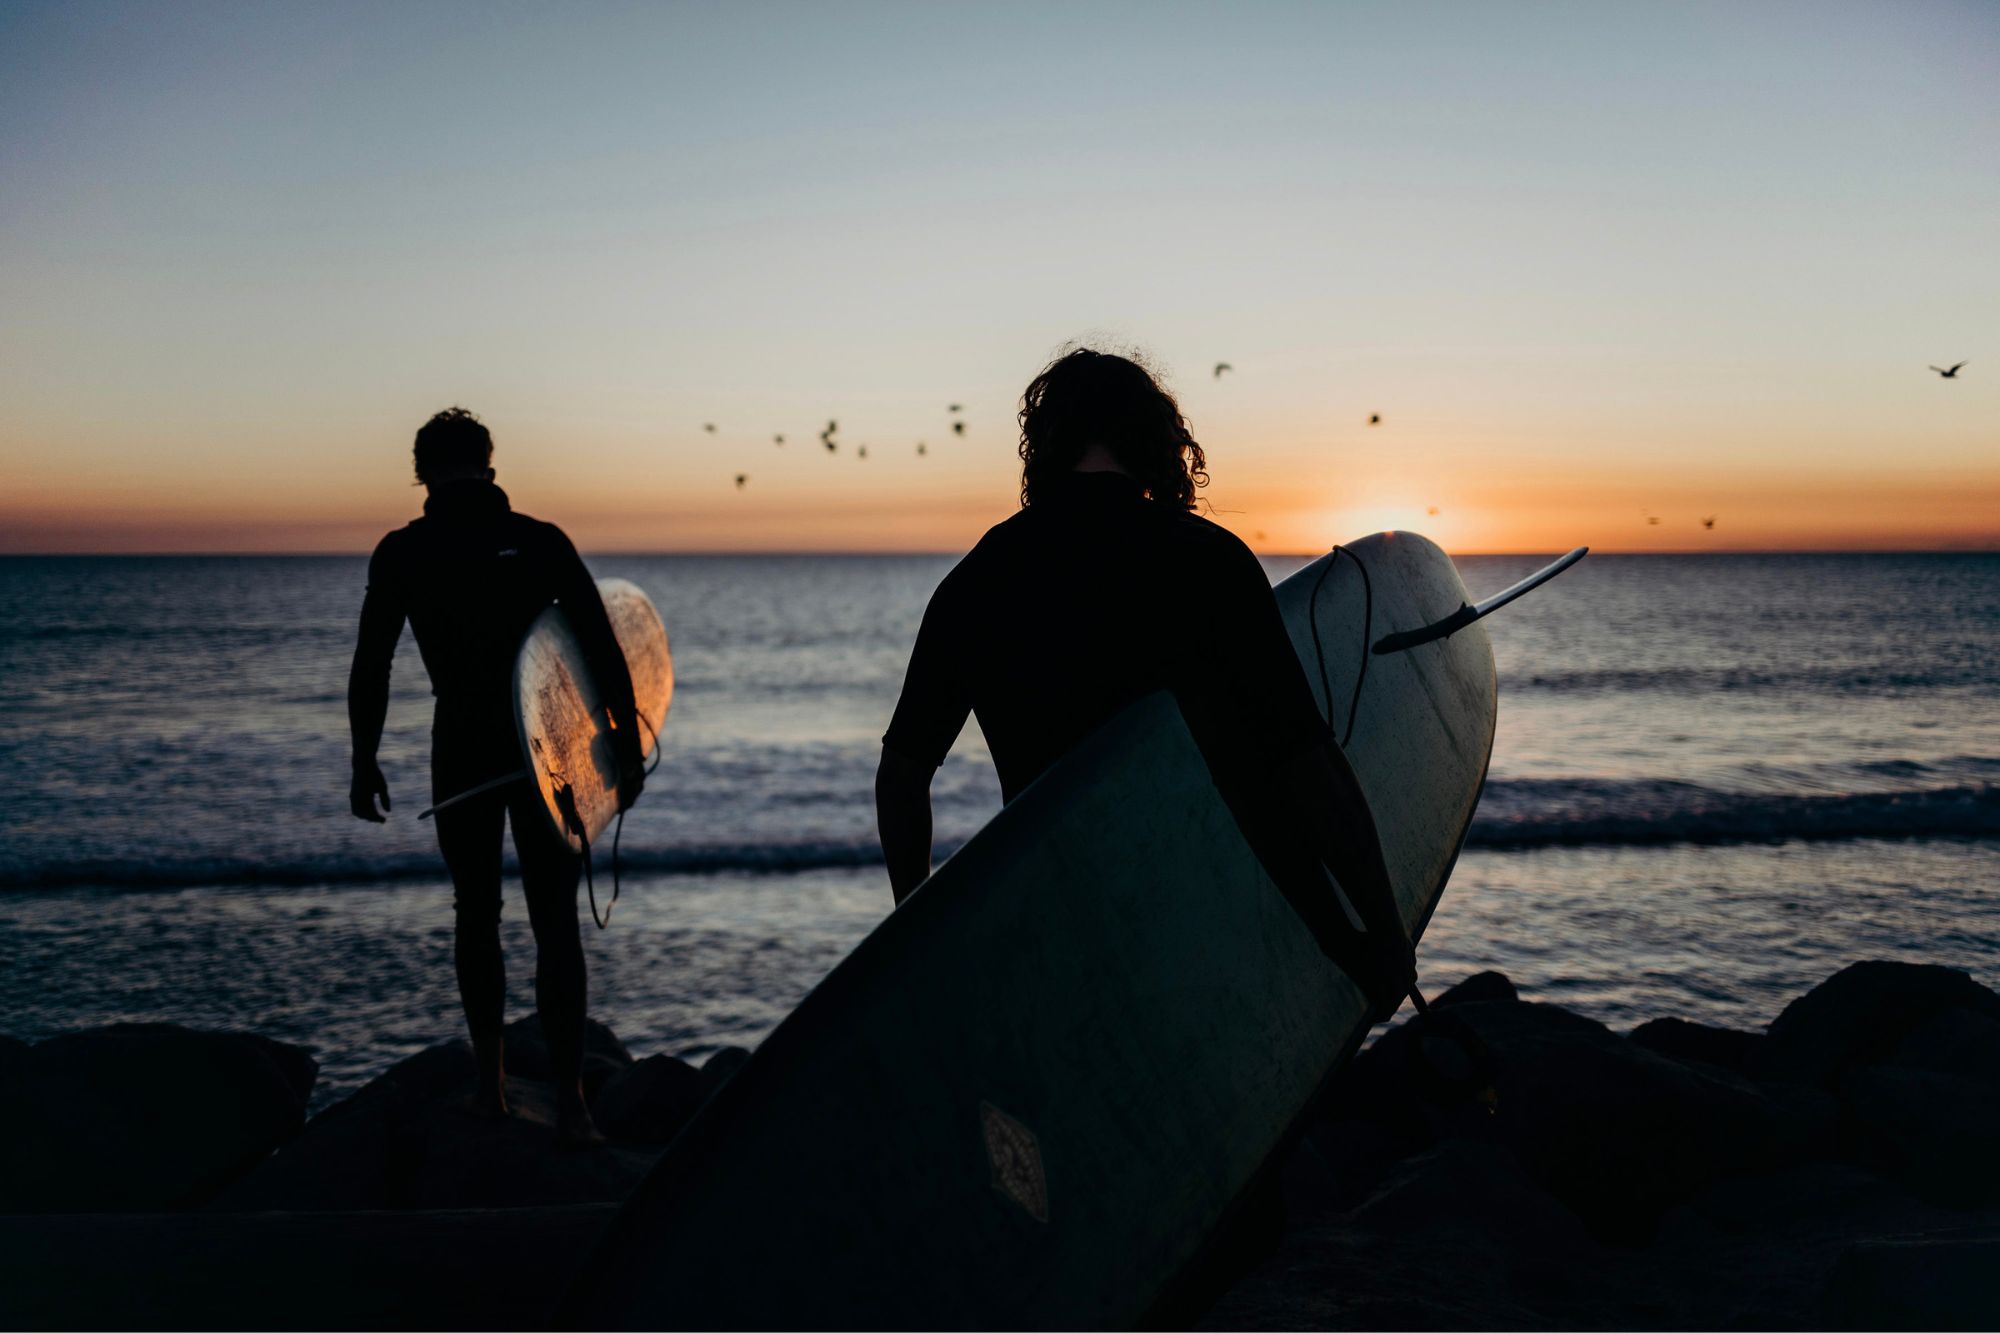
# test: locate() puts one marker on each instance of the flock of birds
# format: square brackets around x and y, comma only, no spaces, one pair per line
[832,446]
[957,418]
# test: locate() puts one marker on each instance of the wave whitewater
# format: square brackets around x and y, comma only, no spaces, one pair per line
[1518,815]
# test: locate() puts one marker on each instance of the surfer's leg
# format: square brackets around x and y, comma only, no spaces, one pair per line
[549,874]
[469,835]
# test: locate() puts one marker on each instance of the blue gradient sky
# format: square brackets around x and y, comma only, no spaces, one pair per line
[1589,261]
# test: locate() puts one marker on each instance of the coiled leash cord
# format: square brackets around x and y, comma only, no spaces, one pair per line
[1367,630]
[573,823]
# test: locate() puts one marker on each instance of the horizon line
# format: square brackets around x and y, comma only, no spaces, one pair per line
[824,553]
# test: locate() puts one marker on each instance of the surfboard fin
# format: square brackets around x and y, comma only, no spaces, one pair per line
[1403,640]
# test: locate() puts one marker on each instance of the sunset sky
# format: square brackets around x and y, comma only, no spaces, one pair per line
[1591,263]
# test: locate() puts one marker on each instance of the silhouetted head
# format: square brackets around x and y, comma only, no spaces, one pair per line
[1086,398]
[453,446]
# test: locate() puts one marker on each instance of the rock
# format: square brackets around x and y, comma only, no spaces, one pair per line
[1461,1186]
[344,1160]
[717,1069]
[404,1141]
[13,1053]
[1617,1132]
[1810,1199]
[1725,1048]
[1860,1015]
[1960,1042]
[1941,1281]
[1935,1132]
[467,1269]
[1417,1083]
[1307,1182]
[648,1102]
[528,1053]
[1350,1158]
[1479,988]
[147,1116]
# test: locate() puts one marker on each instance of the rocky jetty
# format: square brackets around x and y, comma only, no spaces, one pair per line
[1500,1163]
[1496,1163]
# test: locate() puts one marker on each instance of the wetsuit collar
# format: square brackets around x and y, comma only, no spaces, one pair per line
[472,498]
[1093,487]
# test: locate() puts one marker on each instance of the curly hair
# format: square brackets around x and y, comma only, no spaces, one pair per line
[452,438]
[1087,397]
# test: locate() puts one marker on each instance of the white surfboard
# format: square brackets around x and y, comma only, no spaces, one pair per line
[559,710]
[1029,1097]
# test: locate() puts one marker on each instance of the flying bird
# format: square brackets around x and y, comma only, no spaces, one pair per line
[1951,374]
[921,450]
[955,408]
[1653,519]
[708,426]
[1432,510]
[831,447]
[777,439]
[862,452]
[1708,522]
[1221,366]
[740,479]
[958,428]
[1374,418]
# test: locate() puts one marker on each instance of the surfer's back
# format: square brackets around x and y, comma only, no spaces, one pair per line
[1085,601]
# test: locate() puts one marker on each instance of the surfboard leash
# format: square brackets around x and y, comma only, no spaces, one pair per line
[1367,631]
[617,832]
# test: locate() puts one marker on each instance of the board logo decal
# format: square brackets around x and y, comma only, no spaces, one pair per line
[1017,1161]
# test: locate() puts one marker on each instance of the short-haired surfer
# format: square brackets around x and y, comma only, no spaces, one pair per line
[1103,588]
[471,576]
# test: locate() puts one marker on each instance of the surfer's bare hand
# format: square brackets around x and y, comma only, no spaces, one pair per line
[369,785]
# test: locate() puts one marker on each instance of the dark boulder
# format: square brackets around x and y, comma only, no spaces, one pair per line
[648,1102]
[140,1117]
[719,1067]
[1725,1048]
[1938,1281]
[1783,1208]
[1960,1042]
[13,1056]
[347,1158]
[406,1141]
[1860,1015]
[1618,1132]
[1934,1132]
[528,1053]
[1479,988]
[1465,1186]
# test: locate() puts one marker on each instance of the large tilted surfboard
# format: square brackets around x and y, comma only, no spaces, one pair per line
[1028,1098]
[559,711]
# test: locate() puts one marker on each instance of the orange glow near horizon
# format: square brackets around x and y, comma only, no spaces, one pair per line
[1465,513]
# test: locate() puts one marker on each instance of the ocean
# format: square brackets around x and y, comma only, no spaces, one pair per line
[1717,779]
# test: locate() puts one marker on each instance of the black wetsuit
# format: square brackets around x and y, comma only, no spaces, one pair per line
[470,576]
[1091,598]
[1082,603]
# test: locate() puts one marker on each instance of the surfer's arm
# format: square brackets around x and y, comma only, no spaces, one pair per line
[929,715]
[578,596]
[382,615]
[1333,811]
[903,820]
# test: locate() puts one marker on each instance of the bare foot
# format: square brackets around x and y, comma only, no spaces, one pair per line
[485,1105]
[575,1129]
